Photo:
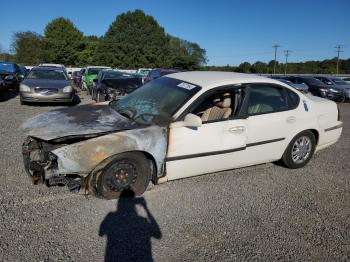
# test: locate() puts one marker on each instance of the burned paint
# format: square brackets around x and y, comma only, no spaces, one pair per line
[82,157]
[100,155]
[77,121]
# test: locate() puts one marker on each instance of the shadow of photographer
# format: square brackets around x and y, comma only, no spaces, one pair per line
[129,234]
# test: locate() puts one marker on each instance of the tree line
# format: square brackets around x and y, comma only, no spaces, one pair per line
[328,66]
[136,40]
[132,41]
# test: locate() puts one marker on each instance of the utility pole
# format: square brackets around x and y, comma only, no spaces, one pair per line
[274,64]
[286,53]
[338,47]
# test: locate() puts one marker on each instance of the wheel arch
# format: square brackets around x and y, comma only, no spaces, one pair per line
[91,179]
[316,134]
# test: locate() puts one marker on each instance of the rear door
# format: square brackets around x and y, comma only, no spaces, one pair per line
[270,120]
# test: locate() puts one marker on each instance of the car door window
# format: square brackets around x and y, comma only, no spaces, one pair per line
[264,98]
[219,106]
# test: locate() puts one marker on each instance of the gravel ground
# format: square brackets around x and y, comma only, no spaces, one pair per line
[259,213]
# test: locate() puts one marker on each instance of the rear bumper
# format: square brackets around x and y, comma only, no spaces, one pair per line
[37,97]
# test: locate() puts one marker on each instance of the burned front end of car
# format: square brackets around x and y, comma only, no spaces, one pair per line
[42,167]
[70,146]
[116,88]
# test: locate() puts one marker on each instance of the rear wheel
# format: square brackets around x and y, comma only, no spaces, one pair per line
[300,150]
[125,172]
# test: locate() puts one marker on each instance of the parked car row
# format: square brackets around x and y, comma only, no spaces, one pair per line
[332,88]
[11,75]
[103,83]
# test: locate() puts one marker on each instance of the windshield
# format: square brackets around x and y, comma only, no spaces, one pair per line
[339,81]
[143,72]
[158,99]
[94,71]
[49,74]
[10,68]
[115,75]
[313,81]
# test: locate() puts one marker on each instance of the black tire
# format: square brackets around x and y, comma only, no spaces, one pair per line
[287,157]
[125,172]
[92,94]
[100,97]
[21,101]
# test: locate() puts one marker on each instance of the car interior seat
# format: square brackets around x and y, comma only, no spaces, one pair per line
[221,109]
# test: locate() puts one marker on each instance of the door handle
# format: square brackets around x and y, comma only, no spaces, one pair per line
[236,129]
[291,119]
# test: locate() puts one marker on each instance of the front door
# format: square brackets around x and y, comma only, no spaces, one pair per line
[215,145]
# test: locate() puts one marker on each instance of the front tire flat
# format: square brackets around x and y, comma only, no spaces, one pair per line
[125,172]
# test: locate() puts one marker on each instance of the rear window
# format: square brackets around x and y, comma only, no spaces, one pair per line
[264,98]
[47,74]
[94,71]
[5,67]
[293,99]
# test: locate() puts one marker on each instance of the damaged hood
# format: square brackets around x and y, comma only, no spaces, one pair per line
[78,121]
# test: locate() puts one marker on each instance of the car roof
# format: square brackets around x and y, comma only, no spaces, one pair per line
[5,62]
[48,67]
[106,67]
[208,79]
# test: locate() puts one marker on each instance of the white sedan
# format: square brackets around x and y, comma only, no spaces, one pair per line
[178,126]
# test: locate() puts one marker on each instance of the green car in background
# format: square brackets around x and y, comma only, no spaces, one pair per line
[90,74]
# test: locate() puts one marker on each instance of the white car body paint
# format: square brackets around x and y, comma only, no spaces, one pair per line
[238,140]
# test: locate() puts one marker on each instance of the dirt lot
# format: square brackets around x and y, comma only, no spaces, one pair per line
[265,212]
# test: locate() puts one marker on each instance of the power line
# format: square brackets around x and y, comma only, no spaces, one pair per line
[274,64]
[286,53]
[338,47]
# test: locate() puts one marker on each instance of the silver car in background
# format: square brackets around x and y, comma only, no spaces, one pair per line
[46,84]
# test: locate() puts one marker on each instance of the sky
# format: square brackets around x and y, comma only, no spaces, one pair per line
[231,31]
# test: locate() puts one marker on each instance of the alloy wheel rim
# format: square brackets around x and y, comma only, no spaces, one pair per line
[301,149]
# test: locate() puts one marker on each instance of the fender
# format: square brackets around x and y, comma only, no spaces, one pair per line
[83,157]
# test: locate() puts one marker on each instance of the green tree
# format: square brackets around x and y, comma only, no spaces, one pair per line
[258,68]
[62,42]
[134,40]
[184,54]
[88,55]
[244,67]
[27,47]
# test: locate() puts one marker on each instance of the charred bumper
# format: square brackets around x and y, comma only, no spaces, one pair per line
[41,166]
[36,161]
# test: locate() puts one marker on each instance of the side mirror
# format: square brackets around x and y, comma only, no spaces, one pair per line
[190,120]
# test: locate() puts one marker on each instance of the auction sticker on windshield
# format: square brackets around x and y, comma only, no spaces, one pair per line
[186,86]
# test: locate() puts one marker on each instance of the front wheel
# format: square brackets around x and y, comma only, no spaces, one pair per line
[125,172]
[300,150]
